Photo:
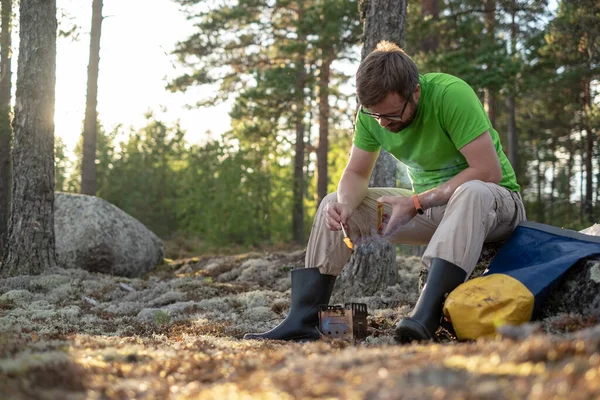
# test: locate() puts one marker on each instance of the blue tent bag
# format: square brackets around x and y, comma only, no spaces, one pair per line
[538,255]
[517,283]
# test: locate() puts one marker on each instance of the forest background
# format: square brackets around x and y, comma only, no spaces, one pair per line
[283,67]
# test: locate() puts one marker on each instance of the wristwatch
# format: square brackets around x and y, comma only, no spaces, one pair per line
[418,204]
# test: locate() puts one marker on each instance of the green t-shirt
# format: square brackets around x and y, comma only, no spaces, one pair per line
[449,116]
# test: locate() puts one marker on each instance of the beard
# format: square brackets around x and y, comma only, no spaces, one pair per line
[396,127]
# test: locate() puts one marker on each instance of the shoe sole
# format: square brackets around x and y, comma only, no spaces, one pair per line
[410,330]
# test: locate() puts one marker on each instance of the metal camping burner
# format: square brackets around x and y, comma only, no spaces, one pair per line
[348,322]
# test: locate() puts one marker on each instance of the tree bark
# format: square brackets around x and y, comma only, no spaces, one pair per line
[30,247]
[430,9]
[383,20]
[589,154]
[570,161]
[581,178]
[90,127]
[490,105]
[490,27]
[539,183]
[324,110]
[5,118]
[298,212]
[552,189]
[513,154]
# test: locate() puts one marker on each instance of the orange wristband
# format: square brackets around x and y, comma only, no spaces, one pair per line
[417,204]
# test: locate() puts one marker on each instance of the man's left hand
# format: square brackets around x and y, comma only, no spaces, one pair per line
[403,210]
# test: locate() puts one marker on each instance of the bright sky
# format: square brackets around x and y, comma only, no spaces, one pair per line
[137,39]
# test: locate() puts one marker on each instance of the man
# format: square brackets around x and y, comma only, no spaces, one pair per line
[465,190]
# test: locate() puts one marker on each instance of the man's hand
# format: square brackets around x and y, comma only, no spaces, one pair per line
[336,213]
[403,210]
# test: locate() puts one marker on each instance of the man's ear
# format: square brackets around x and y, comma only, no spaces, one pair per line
[417,92]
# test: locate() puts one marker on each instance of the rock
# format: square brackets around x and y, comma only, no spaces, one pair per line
[578,292]
[519,332]
[588,334]
[95,235]
[91,301]
[126,287]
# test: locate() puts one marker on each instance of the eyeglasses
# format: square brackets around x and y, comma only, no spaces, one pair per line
[389,117]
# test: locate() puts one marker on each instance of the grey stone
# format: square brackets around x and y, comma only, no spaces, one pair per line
[578,292]
[97,236]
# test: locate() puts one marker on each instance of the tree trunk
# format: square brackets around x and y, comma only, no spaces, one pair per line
[5,118]
[581,178]
[383,20]
[90,127]
[570,161]
[539,184]
[490,27]
[552,189]
[597,172]
[430,9]
[324,109]
[589,153]
[490,105]
[298,212]
[513,154]
[30,247]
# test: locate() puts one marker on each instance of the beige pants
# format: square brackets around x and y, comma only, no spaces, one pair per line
[477,212]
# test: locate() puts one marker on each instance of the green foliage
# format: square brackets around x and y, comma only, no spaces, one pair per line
[138,175]
[162,317]
[225,196]
[265,55]
[521,48]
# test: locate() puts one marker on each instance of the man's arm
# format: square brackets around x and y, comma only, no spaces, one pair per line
[484,165]
[353,185]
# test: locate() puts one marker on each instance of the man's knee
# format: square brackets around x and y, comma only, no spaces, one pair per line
[473,191]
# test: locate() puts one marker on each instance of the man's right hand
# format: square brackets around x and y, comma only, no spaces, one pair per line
[335,213]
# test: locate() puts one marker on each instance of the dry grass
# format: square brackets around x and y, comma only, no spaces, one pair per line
[177,335]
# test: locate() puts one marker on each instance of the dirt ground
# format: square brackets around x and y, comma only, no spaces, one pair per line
[176,334]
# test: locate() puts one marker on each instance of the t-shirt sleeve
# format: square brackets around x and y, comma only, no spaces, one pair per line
[463,116]
[363,136]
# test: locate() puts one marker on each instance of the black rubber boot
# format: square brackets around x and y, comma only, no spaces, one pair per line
[310,289]
[427,315]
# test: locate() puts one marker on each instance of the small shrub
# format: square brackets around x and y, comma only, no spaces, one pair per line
[162,317]
[286,268]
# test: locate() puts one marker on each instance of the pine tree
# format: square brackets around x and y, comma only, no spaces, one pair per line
[5,118]
[88,163]
[30,247]
[376,263]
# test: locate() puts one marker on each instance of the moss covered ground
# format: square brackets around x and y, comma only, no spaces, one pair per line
[176,334]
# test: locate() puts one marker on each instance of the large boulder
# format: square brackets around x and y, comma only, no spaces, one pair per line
[578,292]
[95,235]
